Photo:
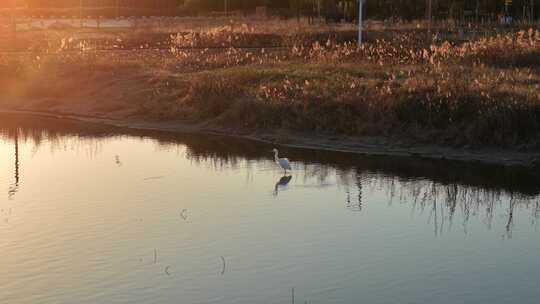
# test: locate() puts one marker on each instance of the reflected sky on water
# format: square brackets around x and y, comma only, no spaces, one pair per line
[95,214]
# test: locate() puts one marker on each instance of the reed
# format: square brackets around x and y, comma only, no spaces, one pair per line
[481,92]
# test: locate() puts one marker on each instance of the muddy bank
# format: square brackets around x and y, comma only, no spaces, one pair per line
[350,144]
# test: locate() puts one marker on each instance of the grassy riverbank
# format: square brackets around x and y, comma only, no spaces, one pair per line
[482,93]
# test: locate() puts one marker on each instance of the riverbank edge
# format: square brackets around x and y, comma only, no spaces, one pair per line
[375,146]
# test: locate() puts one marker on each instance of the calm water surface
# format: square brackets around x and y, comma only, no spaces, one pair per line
[91,214]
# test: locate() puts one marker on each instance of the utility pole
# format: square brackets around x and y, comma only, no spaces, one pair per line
[80,13]
[430,17]
[477,10]
[13,18]
[226,7]
[360,21]
[117,9]
[532,11]
[297,2]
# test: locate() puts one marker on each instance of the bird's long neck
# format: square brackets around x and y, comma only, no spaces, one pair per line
[276,156]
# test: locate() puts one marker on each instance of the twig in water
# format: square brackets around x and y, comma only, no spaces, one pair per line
[183,214]
[155,256]
[292,295]
[167,270]
[153,177]
[224,264]
[117,160]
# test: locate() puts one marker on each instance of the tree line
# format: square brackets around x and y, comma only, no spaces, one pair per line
[376,9]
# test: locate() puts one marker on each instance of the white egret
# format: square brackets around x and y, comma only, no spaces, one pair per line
[282,162]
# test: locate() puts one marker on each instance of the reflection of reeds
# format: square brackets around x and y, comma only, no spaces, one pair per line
[461,190]
[60,135]
[444,201]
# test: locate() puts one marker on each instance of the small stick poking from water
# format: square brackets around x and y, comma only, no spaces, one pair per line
[292,295]
[167,270]
[117,160]
[155,256]
[153,177]
[224,264]
[183,214]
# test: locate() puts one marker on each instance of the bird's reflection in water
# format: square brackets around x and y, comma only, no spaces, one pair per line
[282,184]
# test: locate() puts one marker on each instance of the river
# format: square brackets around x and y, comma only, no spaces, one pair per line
[98,214]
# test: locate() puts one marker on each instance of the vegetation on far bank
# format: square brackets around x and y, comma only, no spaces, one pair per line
[482,92]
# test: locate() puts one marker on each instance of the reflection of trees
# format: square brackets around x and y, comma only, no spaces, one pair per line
[59,134]
[444,202]
[15,186]
[459,192]
[443,198]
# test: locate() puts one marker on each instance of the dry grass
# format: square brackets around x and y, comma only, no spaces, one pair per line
[483,92]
